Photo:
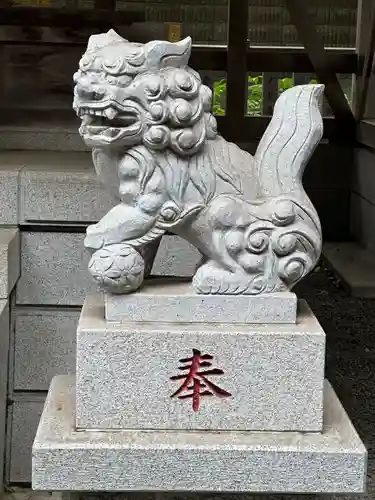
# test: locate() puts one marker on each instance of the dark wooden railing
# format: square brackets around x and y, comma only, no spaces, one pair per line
[233,61]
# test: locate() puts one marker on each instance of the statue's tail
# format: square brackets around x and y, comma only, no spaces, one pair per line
[289,141]
[287,145]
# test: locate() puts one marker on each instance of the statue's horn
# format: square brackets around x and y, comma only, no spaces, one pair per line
[160,54]
[102,40]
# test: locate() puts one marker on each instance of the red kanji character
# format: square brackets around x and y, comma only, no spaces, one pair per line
[196,380]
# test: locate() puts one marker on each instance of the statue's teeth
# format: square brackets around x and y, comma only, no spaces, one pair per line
[110,113]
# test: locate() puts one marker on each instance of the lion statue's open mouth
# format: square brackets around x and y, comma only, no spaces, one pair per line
[100,124]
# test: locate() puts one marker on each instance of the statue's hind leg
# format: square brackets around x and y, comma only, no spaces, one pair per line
[240,240]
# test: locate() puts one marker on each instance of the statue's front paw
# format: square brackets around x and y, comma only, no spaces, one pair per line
[117,268]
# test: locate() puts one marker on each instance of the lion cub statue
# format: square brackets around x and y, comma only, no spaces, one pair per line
[147,117]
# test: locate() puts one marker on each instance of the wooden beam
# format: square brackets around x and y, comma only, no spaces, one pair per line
[270,89]
[204,57]
[365,48]
[296,60]
[68,18]
[236,60]
[304,22]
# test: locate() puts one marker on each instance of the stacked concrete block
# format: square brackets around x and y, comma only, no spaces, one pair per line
[53,196]
[4,342]
[43,343]
[10,167]
[9,274]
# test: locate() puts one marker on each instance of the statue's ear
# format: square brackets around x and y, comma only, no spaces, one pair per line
[99,41]
[160,54]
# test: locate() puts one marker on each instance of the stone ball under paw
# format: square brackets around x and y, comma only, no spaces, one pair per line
[118,268]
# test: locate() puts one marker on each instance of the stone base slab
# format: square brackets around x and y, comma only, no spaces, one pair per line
[171,301]
[354,265]
[70,460]
[254,377]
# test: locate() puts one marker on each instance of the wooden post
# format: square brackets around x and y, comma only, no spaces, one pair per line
[298,10]
[364,97]
[270,92]
[236,63]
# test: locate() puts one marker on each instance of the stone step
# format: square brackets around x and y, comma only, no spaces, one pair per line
[42,136]
[10,261]
[132,460]
[354,265]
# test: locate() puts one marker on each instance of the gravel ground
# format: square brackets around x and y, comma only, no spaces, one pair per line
[349,324]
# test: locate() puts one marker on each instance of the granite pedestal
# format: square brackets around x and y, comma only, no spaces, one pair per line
[152,460]
[135,375]
[172,301]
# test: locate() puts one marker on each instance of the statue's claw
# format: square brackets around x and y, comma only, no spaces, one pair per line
[211,279]
[93,240]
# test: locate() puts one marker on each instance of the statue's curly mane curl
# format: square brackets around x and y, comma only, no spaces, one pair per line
[179,108]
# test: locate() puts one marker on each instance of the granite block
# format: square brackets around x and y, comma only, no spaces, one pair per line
[9,260]
[270,376]
[54,267]
[61,187]
[10,166]
[66,459]
[44,346]
[354,265]
[163,300]
[24,416]
[4,352]
[41,137]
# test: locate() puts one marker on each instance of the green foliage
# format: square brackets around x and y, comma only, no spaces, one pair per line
[219,97]
[285,84]
[254,94]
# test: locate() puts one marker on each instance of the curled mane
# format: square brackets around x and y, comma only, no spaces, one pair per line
[180,117]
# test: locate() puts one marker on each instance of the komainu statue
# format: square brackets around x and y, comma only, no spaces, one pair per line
[147,117]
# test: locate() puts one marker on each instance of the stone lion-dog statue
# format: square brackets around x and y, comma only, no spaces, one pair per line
[147,117]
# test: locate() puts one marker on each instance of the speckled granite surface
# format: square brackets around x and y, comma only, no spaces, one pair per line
[350,366]
[350,327]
